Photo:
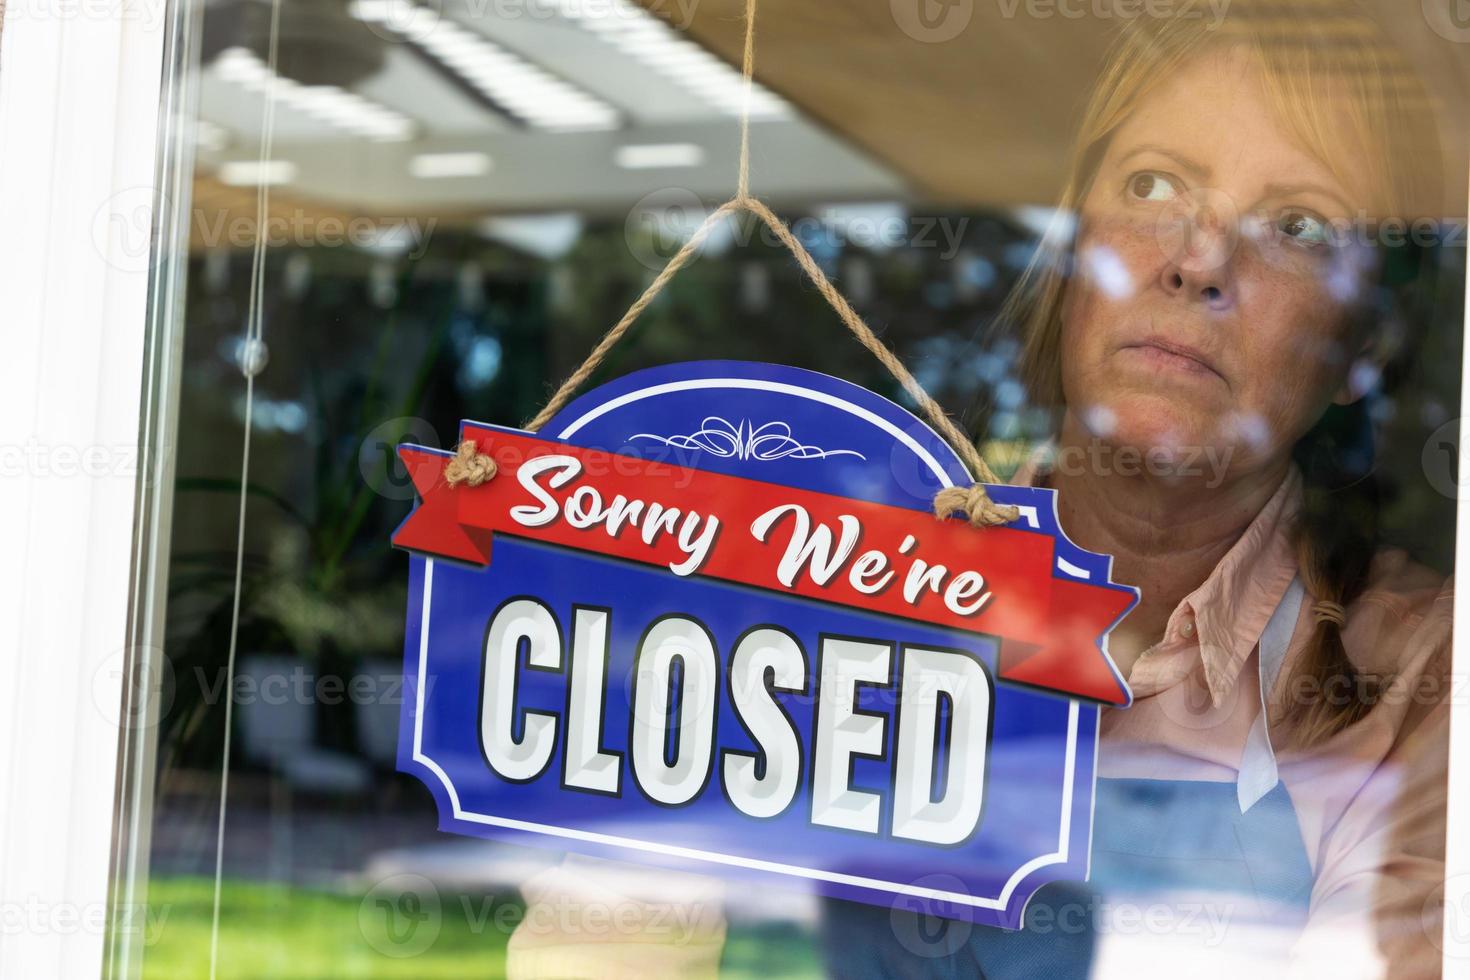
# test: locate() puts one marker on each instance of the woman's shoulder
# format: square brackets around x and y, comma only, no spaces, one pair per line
[1403,616]
[1399,583]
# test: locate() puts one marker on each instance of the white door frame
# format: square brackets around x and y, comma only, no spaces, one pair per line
[79,114]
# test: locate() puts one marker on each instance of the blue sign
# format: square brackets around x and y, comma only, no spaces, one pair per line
[718,628]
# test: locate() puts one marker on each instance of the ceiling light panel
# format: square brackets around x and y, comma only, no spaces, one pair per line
[430,166]
[336,107]
[656,156]
[256,173]
[523,89]
[647,39]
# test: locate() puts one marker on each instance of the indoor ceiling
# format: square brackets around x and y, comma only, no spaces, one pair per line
[493,106]
[980,111]
[471,108]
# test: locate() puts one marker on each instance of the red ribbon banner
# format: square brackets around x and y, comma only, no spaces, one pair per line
[998,581]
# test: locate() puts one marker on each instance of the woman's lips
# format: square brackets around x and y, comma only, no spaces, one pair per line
[1167,356]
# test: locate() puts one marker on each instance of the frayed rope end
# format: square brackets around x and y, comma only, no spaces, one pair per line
[975,504]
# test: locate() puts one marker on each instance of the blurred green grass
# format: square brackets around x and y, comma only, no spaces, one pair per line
[279,930]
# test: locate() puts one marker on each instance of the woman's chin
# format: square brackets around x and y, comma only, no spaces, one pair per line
[1147,422]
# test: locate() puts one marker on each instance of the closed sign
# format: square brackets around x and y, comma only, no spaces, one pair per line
[706,617]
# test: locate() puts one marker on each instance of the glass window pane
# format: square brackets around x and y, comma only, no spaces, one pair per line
[1199,268]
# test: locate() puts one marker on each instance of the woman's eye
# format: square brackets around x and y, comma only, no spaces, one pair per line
[1305,228]
[1151,186]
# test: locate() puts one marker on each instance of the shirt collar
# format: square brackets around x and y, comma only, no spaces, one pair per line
[1231,607]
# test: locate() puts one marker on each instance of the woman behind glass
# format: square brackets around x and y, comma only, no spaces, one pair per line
[1206,322]
[1206,329]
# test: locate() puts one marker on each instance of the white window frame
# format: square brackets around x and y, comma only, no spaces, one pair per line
[80,114]
[87,101]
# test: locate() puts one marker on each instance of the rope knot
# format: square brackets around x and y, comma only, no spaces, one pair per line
[976,505]
[469,466]
[1329,612]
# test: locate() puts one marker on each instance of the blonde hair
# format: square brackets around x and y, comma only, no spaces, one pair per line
[1336,86]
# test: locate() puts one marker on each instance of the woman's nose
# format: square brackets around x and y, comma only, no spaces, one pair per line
[1209,287]
[1200,256]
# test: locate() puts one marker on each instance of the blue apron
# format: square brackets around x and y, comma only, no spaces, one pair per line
[1238,844]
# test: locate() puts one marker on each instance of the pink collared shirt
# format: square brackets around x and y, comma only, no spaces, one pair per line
[1370,801]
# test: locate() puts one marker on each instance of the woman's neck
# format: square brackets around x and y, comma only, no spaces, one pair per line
[1166,534]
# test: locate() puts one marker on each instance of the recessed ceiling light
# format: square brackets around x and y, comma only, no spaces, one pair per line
[209,136]
[651,156]
[549,236]
[648,39]
[329,104]
[429,166]
[524,90]
[255,173]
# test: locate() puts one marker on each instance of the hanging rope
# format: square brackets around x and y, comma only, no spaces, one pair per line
[973,501]
[747,73]
[609,340]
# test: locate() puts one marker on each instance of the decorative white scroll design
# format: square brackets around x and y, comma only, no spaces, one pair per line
[745,440]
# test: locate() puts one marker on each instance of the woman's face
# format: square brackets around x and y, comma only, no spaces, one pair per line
[1207,309]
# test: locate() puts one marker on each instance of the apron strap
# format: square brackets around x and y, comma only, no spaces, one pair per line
[1258,774]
